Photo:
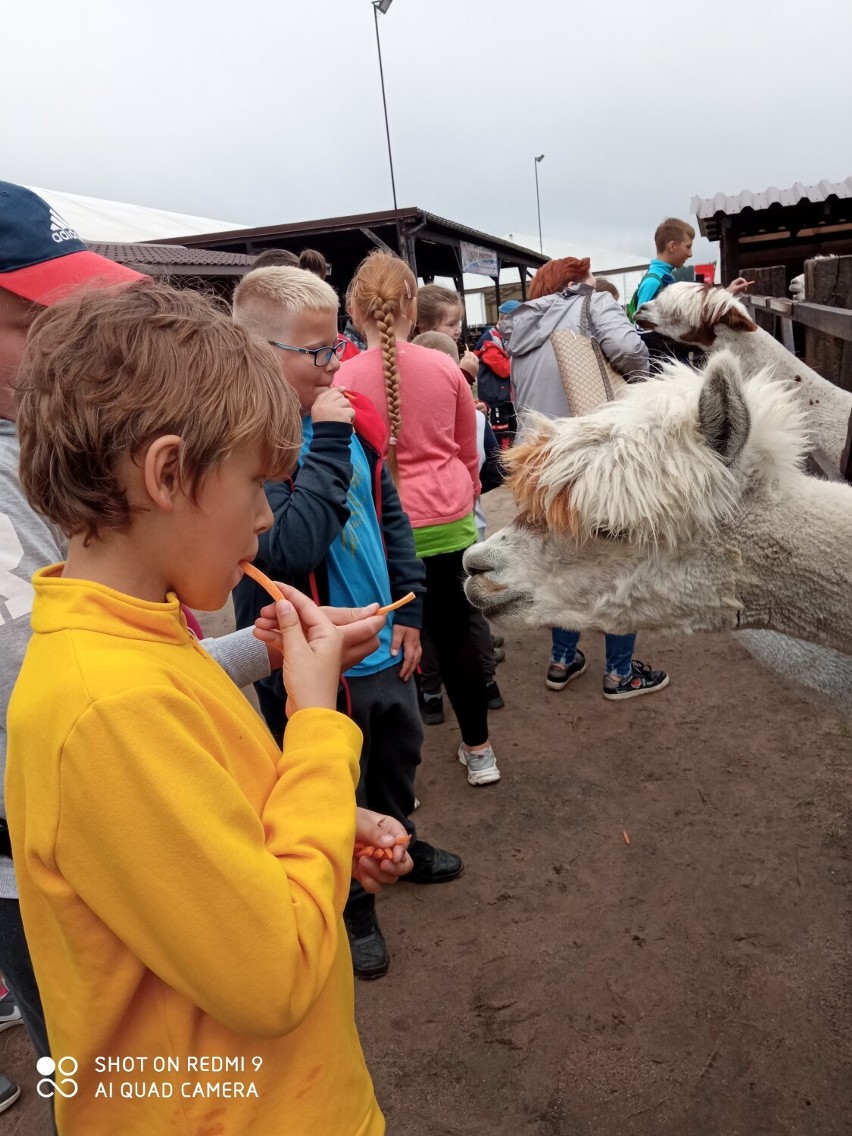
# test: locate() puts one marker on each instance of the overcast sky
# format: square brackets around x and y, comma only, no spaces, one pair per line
[265,111]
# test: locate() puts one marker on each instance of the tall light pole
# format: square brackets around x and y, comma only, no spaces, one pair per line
[382,6]
[537,203]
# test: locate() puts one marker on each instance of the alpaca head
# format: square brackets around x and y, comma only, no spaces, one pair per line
[616,508]
[693,313]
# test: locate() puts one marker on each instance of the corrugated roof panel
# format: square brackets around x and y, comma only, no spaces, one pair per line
[722,203]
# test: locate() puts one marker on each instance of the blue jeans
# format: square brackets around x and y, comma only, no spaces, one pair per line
[619,650]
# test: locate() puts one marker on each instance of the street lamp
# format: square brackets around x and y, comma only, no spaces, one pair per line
[382,6]
[537,203]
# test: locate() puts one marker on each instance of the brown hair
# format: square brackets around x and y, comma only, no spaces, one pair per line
[433,302]
[604,285]
[672,230]
[275,258]
[309,259]
[437,341]
[106,372]
[383,290]
[558,274]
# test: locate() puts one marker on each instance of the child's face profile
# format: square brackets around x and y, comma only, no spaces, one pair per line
[451,323]
[680,252]
[220,529]
[311,330]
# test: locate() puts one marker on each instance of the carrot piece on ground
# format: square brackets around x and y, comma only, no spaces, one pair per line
[262,579]
[626,837]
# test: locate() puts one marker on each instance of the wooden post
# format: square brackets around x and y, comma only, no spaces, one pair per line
[828,280]
[729,268]
[767,282]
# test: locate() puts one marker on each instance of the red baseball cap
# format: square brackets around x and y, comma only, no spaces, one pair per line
[41,258]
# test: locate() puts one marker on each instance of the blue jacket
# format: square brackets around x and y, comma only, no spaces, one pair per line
[310,511]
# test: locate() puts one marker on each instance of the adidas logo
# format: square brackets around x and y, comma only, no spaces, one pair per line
[59,229]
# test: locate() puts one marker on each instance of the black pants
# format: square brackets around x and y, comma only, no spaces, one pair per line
[384,708]
[447,618]
[430,672]
[17,970]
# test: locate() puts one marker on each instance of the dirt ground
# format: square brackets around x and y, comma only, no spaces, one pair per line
[694,982]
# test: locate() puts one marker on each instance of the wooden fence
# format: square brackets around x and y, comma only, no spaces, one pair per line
[818,327]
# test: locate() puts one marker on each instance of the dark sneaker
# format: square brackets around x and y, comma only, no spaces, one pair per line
[432,709]
[495,698]
[9,1092]
[432,865]
[560,674]
[370,958]
[641,680]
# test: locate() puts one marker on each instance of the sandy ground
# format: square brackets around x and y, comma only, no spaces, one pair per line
[694,982]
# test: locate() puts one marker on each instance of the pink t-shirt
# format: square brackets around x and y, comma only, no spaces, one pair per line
[436,450]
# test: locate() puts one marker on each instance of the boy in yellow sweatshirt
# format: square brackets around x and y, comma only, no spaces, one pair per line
[182,881]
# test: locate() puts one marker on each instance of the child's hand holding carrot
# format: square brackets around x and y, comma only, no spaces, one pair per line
[374,831]
[312,650]
[359,626]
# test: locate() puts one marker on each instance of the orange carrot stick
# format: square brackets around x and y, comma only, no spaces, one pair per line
[399,603]
[262,579]
[378,852]
[626,837]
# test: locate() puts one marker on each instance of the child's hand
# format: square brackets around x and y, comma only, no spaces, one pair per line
[377,829]
[359,626]
[332,405]
[739,285]
[408,638]
[469,363]
[312,650]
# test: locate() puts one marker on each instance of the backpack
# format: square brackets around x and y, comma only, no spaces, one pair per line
[632,306]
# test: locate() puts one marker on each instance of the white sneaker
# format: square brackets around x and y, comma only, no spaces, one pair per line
[481,767]
[10,1015]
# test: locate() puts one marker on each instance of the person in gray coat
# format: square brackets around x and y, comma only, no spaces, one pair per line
[557,294]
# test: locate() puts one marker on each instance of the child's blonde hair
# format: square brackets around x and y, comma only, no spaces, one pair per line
[438,341]
[268,301]
[433,304]
[383,290]
[672,229]
[105,373]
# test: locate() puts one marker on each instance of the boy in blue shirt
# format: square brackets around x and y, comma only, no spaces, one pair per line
[339,533]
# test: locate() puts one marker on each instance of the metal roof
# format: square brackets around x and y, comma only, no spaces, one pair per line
[174,260]
[707,209]
[411,214]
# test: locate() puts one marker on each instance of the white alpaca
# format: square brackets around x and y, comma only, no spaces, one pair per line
[680,507]
[711,318]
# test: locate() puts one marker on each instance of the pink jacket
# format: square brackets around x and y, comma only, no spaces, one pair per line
[436,452]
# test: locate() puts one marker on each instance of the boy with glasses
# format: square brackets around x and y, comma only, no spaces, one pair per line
[340,535]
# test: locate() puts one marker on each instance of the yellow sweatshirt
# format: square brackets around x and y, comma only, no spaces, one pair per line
[182,882]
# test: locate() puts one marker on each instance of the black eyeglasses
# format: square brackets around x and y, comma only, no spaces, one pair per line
[321,355]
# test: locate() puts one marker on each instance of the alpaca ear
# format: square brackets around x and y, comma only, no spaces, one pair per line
[723,416]
[738,320]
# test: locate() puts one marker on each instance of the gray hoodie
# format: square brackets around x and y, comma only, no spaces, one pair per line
[535,374]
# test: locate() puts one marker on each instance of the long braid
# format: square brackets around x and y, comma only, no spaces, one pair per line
[383,289]
[385,318]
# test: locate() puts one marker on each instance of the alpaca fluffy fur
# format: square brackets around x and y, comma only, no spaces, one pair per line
[711,318]
[681,507]
[640,469]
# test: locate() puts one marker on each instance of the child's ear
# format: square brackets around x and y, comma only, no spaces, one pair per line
[161,469]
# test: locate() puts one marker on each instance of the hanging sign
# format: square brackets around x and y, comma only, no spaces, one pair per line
[478,260]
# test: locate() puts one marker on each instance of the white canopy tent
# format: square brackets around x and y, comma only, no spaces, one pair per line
[97,219]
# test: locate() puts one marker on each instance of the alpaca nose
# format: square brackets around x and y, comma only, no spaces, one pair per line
[475,560]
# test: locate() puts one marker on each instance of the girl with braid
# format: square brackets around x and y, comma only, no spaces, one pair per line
[432,455]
